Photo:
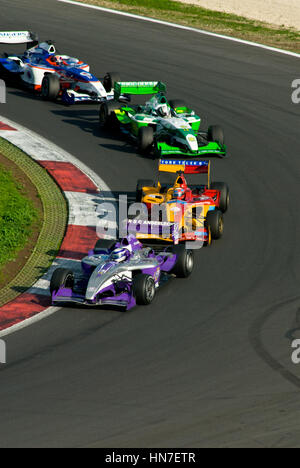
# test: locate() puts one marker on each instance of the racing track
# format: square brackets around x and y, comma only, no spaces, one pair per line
[209,363]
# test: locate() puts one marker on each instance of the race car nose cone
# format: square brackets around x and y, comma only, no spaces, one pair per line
[192,143]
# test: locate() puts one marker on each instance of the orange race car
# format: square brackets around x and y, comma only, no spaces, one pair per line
[196,210]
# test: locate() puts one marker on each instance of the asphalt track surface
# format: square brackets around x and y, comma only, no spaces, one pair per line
[209,363]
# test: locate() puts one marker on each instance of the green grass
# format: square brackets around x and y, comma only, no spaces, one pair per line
[17,216]
[201,18]
[51,231]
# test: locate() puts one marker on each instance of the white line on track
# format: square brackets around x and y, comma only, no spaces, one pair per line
[179,26]
[26,323]
[44,149]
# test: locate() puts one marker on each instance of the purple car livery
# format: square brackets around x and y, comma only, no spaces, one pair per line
[121,274]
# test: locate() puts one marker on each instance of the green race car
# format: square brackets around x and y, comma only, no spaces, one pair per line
[160,127]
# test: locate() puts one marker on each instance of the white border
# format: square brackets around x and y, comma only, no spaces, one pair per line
[179,26]
[30,321]
[39,148]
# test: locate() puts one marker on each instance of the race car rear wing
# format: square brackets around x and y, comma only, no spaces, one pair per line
[175,166]
[188,167]
[18,37]
[139,88]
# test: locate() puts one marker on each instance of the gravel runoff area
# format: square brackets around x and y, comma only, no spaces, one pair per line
[279,12]
[192,13]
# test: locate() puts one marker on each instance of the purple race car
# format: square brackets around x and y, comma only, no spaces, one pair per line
[121,274]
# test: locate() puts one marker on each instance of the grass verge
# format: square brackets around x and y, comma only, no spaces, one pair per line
[201,18]
[52,229]
[17,216]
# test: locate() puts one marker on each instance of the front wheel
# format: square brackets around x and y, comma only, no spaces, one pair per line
[61,278]
[50,87]
[144,289]
[145,140]
[216,134]
[107,116]
[224,195]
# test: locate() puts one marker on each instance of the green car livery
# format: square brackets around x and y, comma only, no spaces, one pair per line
[160,127]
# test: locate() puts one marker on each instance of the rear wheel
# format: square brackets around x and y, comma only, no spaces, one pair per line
[144,289]
[176,103]
[50,87]
[215,223]
[145,140]
[104,244]
[216,134]
[139,188]
[61,278]
[6,76]
[224,195]
[109,81]
[107,116]
[185,261]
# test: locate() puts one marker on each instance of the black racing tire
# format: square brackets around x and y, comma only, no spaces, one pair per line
[4,74]
[144,289]
[61,277]
[139,188]
[215,222]
[109,81]
[104,244]
[216,134]
[145,140]
[32,44]
[185,261]
[225,195]
[107,116]
[10,79]
[175,103]
[50,87]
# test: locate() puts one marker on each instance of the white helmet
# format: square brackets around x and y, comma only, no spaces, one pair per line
[120,255]
[163,110]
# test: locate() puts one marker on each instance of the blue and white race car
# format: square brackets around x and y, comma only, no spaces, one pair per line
[54,76]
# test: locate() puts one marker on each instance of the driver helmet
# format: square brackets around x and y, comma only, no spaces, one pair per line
[59,60]
[55,59]
[120,255]
[179,193]
[163,110]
